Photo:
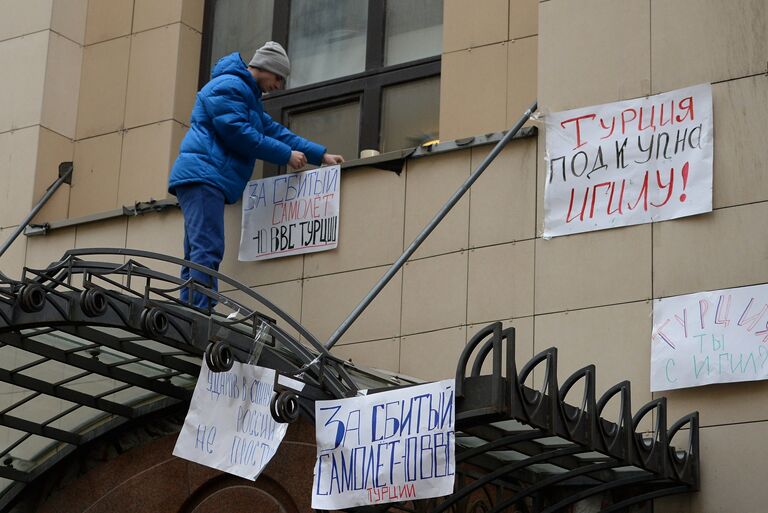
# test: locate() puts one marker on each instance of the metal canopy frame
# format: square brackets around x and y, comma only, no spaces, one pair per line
[100,338]
[87,345]
[558,446]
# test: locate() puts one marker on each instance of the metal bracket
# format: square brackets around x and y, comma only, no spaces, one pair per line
[65,172]
[153,205]
[37,229]
[65,176]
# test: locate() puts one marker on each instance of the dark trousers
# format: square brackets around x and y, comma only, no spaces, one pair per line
[203,209]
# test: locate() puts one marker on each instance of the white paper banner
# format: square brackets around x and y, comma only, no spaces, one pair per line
[291,214]
[229,426]
[386,447]
[710,337]
[629,162]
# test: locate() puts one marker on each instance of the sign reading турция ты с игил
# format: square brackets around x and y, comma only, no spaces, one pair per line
[710,337]
[386,447]
[629,162]
[291,214]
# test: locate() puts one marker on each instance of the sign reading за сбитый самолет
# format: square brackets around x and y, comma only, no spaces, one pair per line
[710,337]
[291,214]
[629,162]
[229,426]
[386,447]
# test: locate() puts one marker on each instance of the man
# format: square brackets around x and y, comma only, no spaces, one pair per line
[229,130]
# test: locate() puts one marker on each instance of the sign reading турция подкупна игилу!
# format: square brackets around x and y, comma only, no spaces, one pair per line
[291,214]
[710,337]
[386,447]
[629,162]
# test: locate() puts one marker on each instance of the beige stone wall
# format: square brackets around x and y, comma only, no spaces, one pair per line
[109,84]
[139,79]
[592,290]
[40,55]
[588,294]
[489,65]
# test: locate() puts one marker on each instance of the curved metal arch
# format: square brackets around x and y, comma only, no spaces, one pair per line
[540,406]
[553,480]
[686,464]
[77,255]
[656,494]
[589,492]
[94,318]
[60,275]
[579,422]
[503,470]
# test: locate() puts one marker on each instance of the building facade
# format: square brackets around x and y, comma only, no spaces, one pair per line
[110,84]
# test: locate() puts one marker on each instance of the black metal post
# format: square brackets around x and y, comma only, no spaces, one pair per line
[429,228]
[65,176]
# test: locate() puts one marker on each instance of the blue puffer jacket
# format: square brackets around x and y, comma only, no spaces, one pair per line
[230,130]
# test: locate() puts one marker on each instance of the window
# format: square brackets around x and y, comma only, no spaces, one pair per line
[229,34]
[334,127]
[413,30]
[409,114]
[326,39]
[364,74]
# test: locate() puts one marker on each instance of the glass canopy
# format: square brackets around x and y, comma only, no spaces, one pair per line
[100,339]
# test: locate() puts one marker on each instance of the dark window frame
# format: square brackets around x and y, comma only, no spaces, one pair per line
[367,85]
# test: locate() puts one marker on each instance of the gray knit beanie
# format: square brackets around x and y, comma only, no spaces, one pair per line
[272,57]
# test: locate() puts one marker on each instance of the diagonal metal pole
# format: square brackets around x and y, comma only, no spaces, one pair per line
[65,176]
[428,229]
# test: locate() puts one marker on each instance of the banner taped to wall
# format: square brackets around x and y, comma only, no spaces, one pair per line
[629,162]
[710,337]
[291,214]
[390,446]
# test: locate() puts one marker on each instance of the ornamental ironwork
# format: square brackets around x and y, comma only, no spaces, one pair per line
[100,338]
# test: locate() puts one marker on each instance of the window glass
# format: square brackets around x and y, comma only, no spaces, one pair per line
[414,30]
[240,26]
[326,39]
[337,128]
[410,114]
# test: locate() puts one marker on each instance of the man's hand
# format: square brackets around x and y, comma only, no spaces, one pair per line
[297,160]
[330,159]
